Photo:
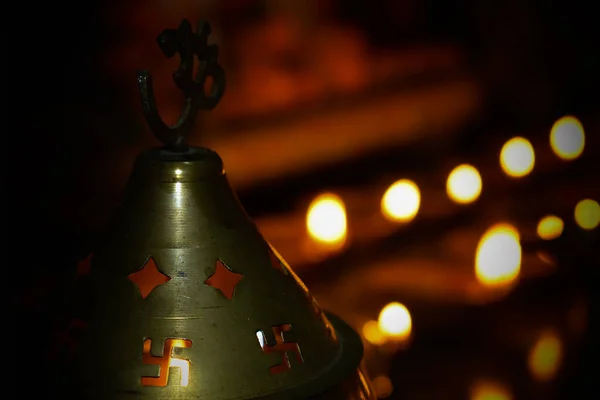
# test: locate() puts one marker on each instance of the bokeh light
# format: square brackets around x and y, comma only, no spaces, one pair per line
[395,321]
[567,138]
[498,256]
[587,214]
[464,184]
[326,219]
[487,390]
[372,333]
[383,386]
[517,157]
[550,227]
[545,356]
[401,201]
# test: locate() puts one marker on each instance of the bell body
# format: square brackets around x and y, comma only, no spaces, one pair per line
[191,302]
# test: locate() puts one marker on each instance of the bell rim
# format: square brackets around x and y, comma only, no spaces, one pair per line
[348,360]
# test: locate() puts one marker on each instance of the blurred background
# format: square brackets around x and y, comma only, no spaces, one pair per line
[426,167]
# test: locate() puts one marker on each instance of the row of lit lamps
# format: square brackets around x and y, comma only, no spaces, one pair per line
[498,256]
[499,253]
[326,218]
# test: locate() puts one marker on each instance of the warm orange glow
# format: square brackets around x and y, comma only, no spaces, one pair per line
[401,201]
[517,157]
[326,219]
[395,321]
[148,278]
[587,214]
[224,279]
[183,365]
[371,332]
[464,184]
[165,362]
[550,227]
[567,138]
[545,356]
[490,391]
[498,257]
[383,386]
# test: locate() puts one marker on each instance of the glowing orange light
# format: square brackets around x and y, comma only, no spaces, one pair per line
[587,214]
[545,356]
[498,256]
[401,201]
[567,138]
[395,321]
[487,390]
[383,386]
[165,362]
[550,227]
[326,219]
[372,333]
[464,184]
[517,157]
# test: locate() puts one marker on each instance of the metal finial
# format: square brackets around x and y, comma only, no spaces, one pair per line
[188,44]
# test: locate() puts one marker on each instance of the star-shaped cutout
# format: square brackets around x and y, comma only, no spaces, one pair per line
[148,278]
[224,279]
[84,267]
[276,262]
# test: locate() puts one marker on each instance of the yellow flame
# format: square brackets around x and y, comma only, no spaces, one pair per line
[550,227]
[372,333]
[545,356]
[326,219]
[587,214]
[517,157]
[484,390]
[498,257]
[567,138]
[401,201]
[464,184]
[395,321]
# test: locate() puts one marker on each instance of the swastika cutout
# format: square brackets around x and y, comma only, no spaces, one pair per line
[280,346]
[165,362]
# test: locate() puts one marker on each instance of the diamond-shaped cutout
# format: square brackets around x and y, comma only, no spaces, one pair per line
[224,279]
[148,278]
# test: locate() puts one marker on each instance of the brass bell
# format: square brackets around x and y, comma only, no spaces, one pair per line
[190,301]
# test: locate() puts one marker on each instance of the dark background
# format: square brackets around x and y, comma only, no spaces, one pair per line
[534,61]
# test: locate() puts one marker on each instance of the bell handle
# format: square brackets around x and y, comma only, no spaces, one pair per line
[187,44]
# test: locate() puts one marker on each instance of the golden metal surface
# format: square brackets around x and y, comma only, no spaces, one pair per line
[192,302]
[280,346]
